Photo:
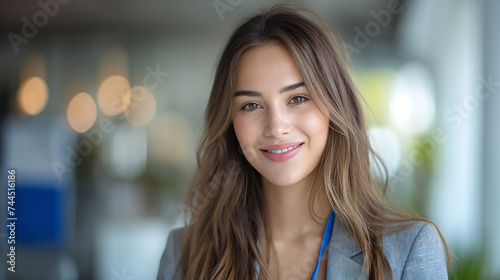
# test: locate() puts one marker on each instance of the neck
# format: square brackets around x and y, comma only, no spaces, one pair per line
[288,212]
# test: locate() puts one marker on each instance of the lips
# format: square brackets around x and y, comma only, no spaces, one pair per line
[281,146]
[281,152]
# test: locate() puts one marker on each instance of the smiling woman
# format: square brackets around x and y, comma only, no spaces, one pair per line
[283,186]
[281,132]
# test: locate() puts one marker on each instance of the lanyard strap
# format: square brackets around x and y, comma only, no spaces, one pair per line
[326,239]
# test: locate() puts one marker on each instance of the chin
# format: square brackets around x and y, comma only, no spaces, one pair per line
[283,180]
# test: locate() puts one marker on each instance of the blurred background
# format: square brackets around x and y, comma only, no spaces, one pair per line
[101,107]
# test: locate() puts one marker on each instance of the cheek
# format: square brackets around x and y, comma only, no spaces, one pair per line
[246,132]
[315,126]
[316,129]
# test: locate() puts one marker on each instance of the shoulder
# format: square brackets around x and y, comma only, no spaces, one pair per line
[170,257]
[416,252]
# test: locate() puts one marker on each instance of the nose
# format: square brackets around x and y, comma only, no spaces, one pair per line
[277,124]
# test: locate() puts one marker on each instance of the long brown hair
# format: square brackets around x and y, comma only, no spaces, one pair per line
[225,220]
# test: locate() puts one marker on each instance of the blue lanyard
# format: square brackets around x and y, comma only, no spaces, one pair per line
[326,239]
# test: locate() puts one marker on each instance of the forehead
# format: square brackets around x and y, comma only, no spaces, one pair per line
[267,68]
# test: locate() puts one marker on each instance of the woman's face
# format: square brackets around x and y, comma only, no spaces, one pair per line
[279,128]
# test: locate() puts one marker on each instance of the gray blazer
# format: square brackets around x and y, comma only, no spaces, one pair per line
[414,253]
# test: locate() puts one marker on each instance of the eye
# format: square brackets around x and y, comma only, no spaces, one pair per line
[250,106]
[298,99]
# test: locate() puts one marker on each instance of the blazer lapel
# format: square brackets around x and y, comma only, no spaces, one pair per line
[343,255]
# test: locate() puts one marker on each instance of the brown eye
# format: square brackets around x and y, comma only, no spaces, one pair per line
[296,100]
[250,106]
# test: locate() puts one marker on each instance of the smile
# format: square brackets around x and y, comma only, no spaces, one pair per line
[282,152]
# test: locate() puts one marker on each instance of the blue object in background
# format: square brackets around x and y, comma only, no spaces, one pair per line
[39,217]
[44,202]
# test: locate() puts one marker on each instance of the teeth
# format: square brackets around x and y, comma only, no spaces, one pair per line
[283,150]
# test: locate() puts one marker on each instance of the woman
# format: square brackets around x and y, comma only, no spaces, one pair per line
[283,187]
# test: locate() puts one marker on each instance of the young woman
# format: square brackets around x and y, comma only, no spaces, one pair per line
[283,187]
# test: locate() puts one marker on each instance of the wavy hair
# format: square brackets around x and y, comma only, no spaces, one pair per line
[225,217]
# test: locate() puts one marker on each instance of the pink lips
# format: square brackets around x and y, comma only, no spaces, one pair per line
[281,156]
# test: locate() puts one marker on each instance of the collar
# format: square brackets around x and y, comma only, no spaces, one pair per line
[342,250]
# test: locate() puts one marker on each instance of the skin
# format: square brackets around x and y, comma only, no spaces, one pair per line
[269,117]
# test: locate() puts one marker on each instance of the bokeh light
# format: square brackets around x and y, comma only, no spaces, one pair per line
[142,106]
[412,105]
[125,151]
[33,95]
[387,145]
[82,112]
[114,95]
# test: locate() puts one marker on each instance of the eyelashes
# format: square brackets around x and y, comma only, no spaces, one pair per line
[250,106]
[294,100]
[298,99]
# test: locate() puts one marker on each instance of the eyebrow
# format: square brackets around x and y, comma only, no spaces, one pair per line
[253,93]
